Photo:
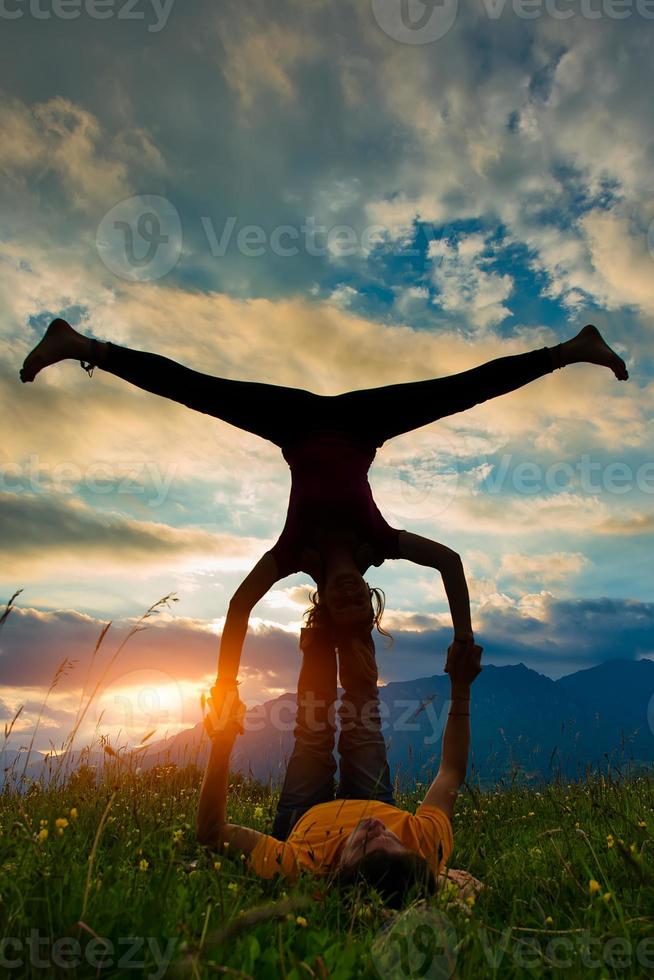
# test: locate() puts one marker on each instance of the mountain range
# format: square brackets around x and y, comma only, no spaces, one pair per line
[524,726]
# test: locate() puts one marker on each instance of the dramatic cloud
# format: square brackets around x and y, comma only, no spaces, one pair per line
[352,211]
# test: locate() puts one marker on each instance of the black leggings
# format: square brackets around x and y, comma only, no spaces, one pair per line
[284,415]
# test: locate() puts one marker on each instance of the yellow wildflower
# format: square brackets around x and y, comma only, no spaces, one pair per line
[610,840]
[549,921]
[73,813]
[301,921]
[594,886]
[258,812]
[607,896]
[61,823]
[232,886]
[641,823]
[143,865]
[216,865]
[470,901]
[42,835]
[177,836]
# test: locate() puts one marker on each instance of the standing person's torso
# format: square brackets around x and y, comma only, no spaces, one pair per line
[331,499]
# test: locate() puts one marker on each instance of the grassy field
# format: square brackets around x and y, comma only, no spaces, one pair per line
[111,877]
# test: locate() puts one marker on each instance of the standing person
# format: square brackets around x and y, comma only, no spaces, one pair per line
[359,834]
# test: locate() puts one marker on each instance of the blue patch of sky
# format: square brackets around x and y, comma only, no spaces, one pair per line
[75,314]
[393,267]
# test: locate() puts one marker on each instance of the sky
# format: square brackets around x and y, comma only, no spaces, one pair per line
[321,194]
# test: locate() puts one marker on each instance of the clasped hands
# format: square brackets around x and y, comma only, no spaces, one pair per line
[225,712]
[463,660]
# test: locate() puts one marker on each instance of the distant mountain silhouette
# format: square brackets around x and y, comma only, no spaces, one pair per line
[525,726]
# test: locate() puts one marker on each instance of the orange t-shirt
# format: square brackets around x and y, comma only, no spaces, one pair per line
[317,836]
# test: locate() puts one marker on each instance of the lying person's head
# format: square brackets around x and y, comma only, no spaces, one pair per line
[375,856]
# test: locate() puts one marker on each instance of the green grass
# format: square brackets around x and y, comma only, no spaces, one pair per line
[128,866]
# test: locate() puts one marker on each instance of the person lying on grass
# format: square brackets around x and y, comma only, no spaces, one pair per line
[358,833]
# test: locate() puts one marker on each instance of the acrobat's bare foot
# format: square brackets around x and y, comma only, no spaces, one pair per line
[59,342]
[590,347]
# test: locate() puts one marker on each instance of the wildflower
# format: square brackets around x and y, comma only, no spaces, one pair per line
[216,865]
[177,836]
[143,865]
[594,886]
[607,897]
[301,921]
[610,840]
[531,813]
[61,823]
[42,835]
[43,823]
[232,886]
[470,901]
[258,812]
[73,813]
[549,921]
[641,823]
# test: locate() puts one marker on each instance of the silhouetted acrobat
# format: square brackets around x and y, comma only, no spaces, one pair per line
[334,530]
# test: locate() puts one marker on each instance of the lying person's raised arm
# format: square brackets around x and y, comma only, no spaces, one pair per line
[211,822]
[463,667]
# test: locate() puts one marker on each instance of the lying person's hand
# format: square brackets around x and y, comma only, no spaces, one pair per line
[463,662]
[225,711]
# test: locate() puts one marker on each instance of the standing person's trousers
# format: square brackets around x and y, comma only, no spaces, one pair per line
[310,774]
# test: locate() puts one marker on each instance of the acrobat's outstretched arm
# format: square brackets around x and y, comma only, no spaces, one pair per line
[423,551]
[253,588]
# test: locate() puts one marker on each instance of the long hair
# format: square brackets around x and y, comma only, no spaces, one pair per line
[318,614]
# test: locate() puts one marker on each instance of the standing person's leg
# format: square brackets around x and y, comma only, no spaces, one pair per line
[381,413]
[312,766]
[364,770]
[270,411]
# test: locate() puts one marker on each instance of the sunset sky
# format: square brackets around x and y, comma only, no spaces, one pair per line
[418,208]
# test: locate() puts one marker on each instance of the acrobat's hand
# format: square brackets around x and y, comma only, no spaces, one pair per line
[224,712]
[463,662]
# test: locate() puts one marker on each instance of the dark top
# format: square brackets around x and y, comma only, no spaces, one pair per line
[331,496]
